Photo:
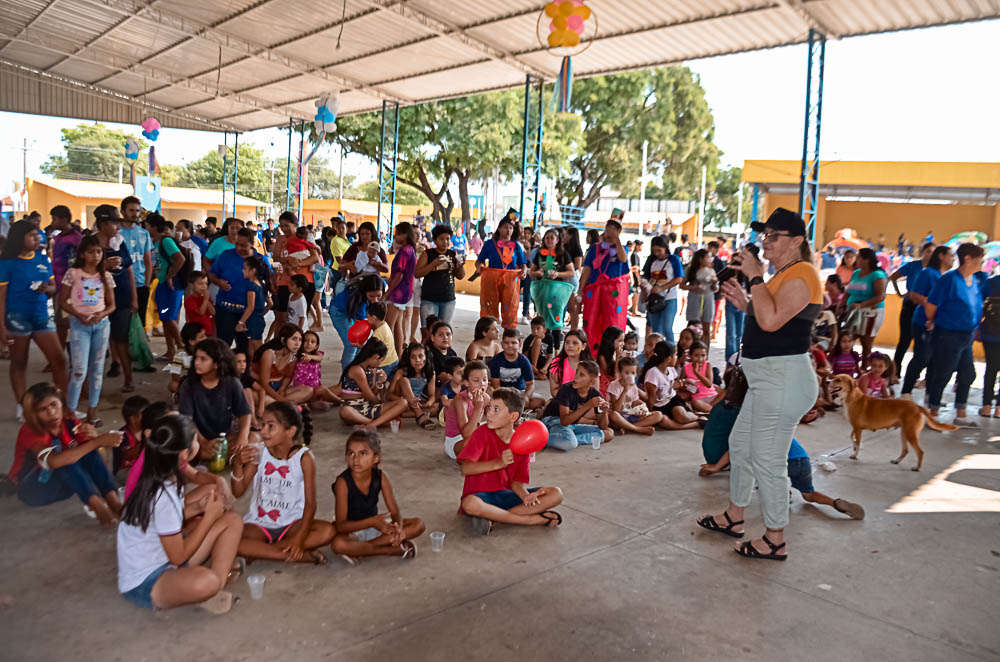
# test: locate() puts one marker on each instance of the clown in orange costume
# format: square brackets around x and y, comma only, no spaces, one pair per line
[500,292]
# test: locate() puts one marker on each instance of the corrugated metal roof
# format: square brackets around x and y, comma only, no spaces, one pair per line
[112,191]
[248,64]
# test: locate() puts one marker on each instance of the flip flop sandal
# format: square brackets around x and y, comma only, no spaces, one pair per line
[748,550]
[239,567]
[708,522]
[351,561]
[852,510]
[96,422]
[409,550]
[318,557]
[548,514]
[728,467]
[426,423]
[128,388]
[481,525]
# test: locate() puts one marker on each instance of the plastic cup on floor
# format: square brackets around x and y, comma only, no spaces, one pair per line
[256,583]
[596,443]
[437,541]
[394,425]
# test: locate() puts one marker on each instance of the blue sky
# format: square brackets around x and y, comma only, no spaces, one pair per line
[920,95]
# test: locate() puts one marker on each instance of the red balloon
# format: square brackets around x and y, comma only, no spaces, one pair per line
[359,332]
[530,437]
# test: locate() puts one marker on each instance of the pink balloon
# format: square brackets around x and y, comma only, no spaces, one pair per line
[575,23]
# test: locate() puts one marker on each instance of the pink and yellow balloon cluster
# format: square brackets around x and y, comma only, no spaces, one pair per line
[568,18]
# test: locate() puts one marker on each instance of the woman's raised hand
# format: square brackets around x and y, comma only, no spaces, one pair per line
[735,294]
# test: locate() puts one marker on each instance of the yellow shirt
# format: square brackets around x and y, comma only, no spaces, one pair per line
[338,246]
[385,335]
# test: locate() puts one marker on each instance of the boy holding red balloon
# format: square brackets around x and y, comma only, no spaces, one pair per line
[494,462]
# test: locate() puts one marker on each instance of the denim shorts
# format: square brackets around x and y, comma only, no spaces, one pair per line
[142,595]
[504,499]
[367,535]
[28,323]
[800,473]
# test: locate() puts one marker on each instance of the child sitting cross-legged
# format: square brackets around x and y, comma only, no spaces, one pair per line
[415,384]
[659,378]
[281,520]
[160,563]
[539,348]
[465,410]
[629,411]
[362,395]
[361,529]
[578,415]
[511,369]
[496,479]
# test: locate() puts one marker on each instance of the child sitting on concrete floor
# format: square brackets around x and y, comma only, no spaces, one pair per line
[465,410]
[578,415]
[496,479]
[715,447]
[511,369]
[629,411]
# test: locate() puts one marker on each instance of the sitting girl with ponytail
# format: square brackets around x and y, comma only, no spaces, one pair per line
[152,544]
[283,505]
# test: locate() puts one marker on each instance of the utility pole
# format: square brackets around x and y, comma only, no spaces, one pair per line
[701,206]
[24,165]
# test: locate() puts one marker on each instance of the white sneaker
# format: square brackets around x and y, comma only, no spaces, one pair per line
[20,414]
[525,320]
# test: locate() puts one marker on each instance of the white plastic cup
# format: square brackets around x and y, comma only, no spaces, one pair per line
[256,583]
[394,425]
[437,541]
[596,443]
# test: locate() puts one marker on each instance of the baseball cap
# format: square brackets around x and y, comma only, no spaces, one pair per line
[782,220]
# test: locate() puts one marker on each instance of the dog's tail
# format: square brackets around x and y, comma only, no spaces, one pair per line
[934,423]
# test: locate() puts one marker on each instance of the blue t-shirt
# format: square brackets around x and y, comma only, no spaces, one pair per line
[459,243]
[602,258]
[862,288]
[795,451]
[922,285]
[911,270]
[123,284]
[493,255]
[959,306]
[19,274]
[228,266]
[202,247]
[260,301]
[139,243]
[341,301]
[512,374]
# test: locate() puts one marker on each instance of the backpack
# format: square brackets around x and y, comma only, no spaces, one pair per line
[182,277]
[991,317]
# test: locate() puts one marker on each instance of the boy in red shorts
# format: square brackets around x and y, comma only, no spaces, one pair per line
[496,480]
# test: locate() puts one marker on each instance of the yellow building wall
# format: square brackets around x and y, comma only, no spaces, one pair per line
[879,173]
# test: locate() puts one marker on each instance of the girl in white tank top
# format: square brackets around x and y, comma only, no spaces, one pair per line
[280,523]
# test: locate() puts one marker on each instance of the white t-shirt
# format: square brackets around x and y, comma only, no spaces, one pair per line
[664,270]
[296,310]
[195,253]
[615,389]
[664,384]
[141,552]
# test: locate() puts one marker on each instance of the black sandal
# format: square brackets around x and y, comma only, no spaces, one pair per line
[708,522]
[547,514]
[748,550]
[425,422]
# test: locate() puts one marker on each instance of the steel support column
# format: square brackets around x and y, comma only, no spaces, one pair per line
[809,179]
[288,169]
[225,171]
[531,155]
[236,167]
[387,158]
[753,212]
[302,171]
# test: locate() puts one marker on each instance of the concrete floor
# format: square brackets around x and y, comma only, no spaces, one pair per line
[628,575]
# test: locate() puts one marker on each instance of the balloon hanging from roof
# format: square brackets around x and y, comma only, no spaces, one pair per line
[327,106]
[131,149]
[151,128]
[572,27]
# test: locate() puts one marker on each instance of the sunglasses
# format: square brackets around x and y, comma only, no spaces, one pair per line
[772,236]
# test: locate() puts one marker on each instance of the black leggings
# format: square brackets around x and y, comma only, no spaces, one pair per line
[992,350]
[905,333]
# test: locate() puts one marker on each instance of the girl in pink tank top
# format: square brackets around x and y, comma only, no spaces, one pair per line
[465,412]
[698,372]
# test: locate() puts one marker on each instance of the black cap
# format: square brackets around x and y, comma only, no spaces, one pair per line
[512,215]
[782,220]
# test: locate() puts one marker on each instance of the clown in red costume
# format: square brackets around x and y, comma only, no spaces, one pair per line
[604,282]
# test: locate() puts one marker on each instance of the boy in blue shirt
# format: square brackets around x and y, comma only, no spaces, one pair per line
[512,369]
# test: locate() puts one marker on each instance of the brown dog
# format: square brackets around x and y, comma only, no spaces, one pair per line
[867,413]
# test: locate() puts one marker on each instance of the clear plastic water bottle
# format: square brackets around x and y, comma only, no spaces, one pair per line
[218,463]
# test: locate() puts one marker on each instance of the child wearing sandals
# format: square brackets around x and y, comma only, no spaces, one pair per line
[159,564]
[361,529]
[629,411]
[414,383]
[495,488]
[659,379]
[363,394]
[281,521]
[465,411]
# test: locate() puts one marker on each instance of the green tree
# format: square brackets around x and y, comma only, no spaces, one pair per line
[93,151]
[722,206]
[405,194]
[664,106]
[207,172]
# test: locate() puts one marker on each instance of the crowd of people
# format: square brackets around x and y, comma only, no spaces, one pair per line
[243,392]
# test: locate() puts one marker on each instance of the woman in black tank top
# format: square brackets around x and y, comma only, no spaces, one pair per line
[439,266]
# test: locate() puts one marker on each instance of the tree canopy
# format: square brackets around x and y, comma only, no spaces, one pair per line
[93,151]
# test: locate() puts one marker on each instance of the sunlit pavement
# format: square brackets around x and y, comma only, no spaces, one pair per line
[628,576]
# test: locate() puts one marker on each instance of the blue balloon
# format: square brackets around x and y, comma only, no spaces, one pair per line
[152,135]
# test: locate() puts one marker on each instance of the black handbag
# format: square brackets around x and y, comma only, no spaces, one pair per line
[656,302]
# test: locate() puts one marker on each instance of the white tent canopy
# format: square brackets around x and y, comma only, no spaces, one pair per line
[248,64]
